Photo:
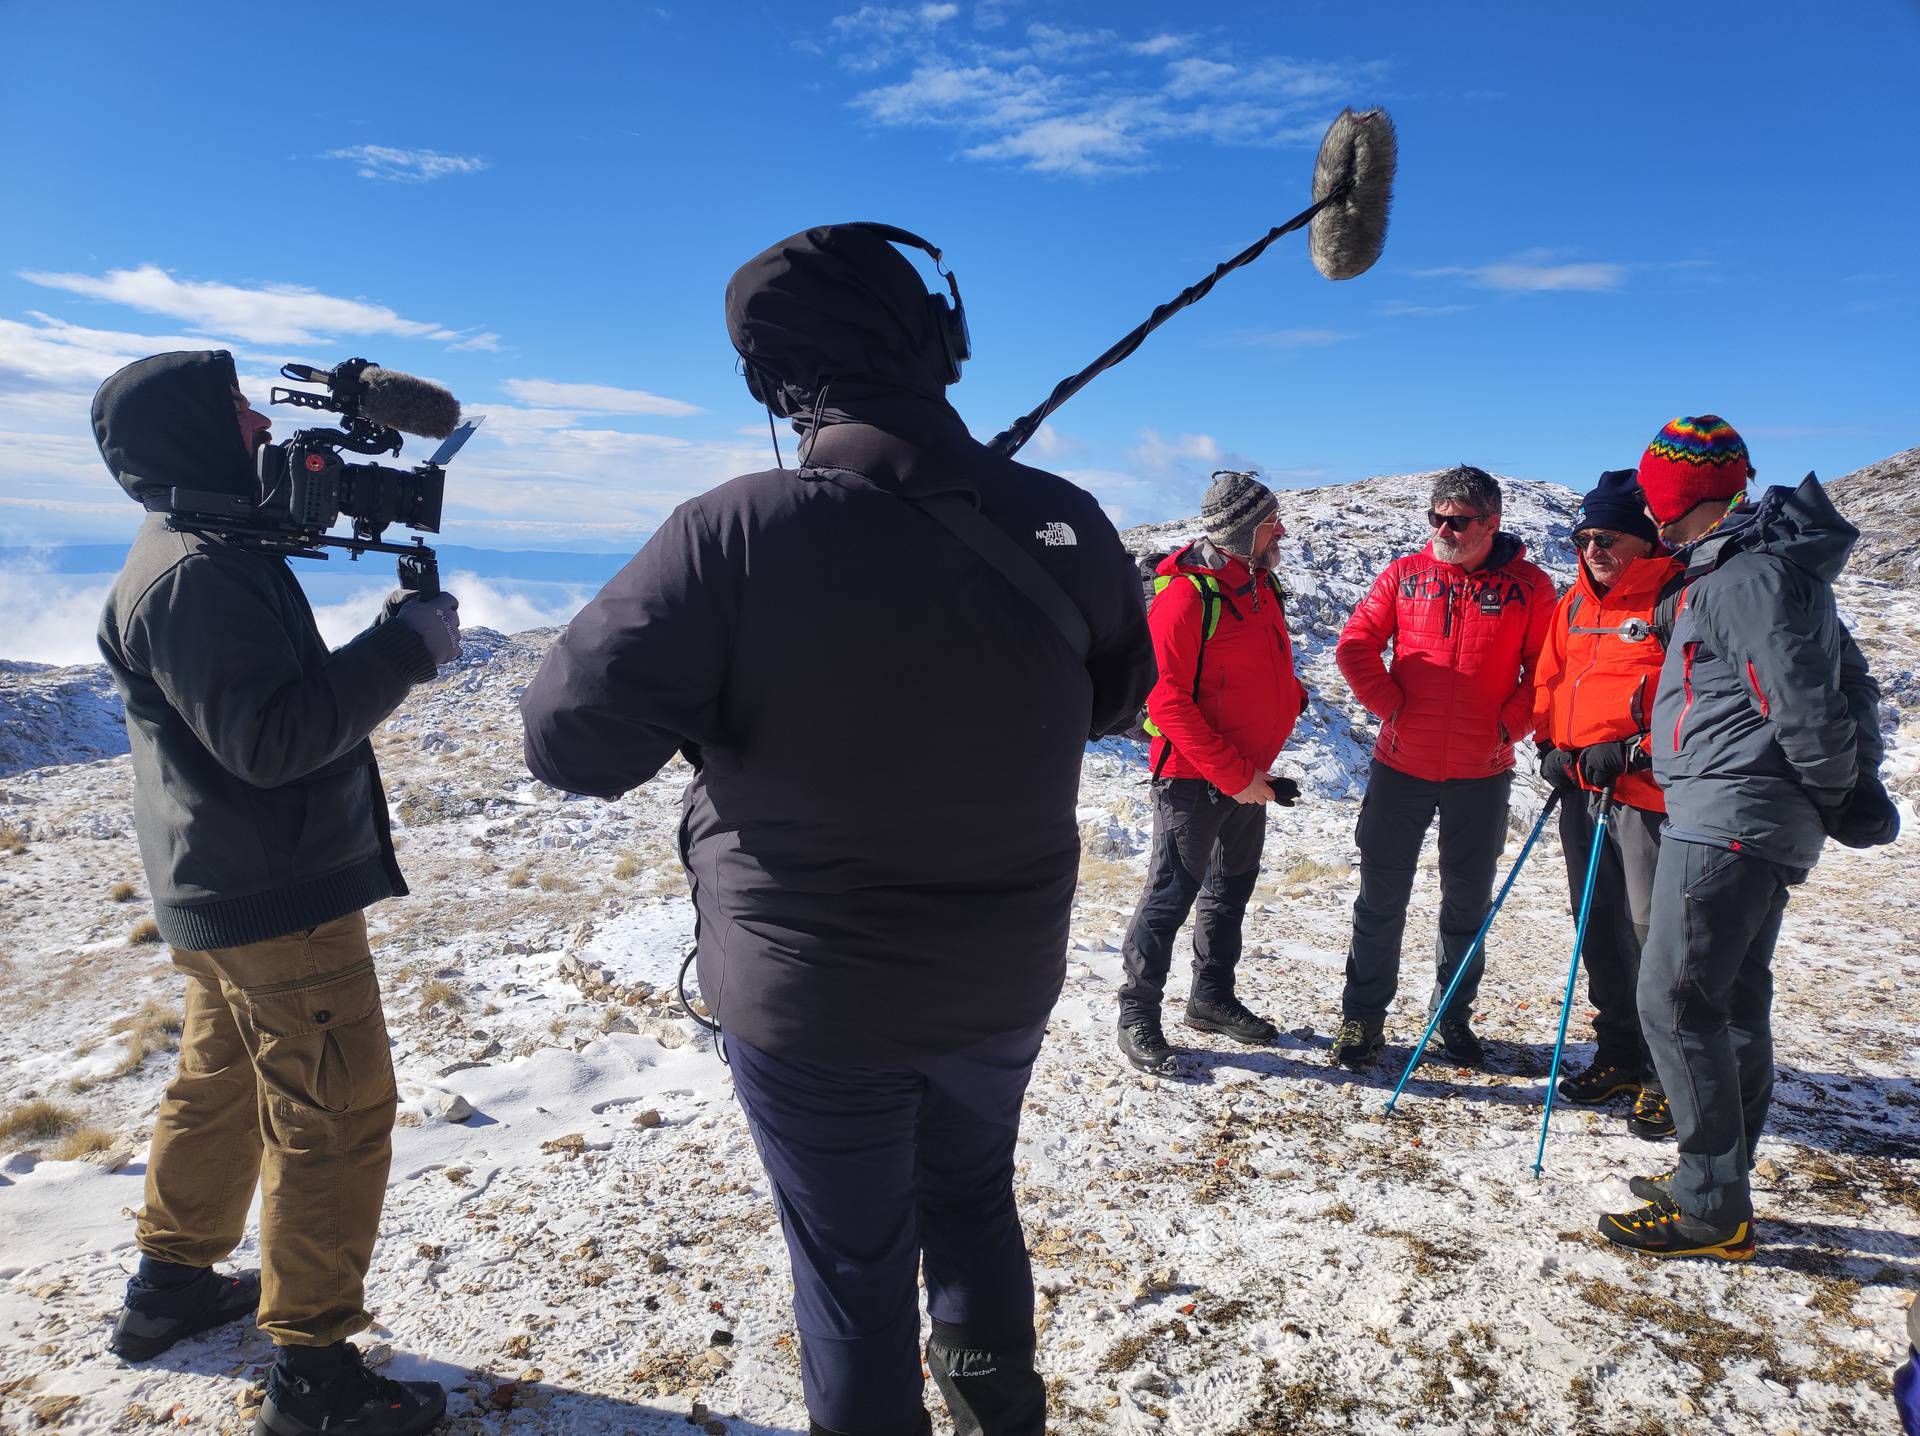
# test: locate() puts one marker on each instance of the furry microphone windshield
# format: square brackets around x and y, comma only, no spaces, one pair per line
[407,403]
[1358,156]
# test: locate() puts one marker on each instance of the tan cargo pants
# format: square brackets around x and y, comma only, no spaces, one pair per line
[284,1078]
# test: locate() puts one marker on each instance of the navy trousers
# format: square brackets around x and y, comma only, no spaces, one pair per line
[1206,859]
[877,1171]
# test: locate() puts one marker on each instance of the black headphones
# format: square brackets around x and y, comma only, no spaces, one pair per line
[949,320]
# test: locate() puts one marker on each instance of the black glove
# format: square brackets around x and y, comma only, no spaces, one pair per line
[1604,764]
[1286,792]
[1556,766]
[437,621]
[1865,818]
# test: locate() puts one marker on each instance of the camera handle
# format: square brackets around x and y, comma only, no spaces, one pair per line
[419,571]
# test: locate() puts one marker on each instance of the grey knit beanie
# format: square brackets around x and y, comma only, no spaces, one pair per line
[1234,505]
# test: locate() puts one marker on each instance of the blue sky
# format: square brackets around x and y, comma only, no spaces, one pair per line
[1605,218]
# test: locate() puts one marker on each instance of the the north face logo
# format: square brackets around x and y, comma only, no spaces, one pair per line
[1056,535]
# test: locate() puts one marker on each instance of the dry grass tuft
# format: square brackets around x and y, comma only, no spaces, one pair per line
[556,883]
[1311,870]
[626,866]
[81,1143]
[144,931]
[36,1121]
[13,838]
[154,1028]
[520,876]
[438,992]
[122,892]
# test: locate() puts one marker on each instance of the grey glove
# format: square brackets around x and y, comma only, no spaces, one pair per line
[437,621]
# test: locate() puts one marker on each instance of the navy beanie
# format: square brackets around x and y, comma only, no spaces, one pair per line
[1616,503]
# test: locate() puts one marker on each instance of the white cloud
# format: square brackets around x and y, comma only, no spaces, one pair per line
[51,352]
[384,162]
[595,398]
[503,606]
[50,621]
[1084,103]
[276,314]
[1535,271]
[1401,309]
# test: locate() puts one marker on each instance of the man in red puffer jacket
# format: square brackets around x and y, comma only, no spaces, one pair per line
[1466,617]
[1225,701]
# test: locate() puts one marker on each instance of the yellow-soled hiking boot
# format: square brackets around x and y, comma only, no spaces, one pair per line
[1652,1118]
[1661,1229]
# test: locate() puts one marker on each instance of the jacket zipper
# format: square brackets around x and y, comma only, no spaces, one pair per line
[1686,686]
[1766,709]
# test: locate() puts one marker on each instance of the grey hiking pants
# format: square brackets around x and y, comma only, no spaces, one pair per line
[1394,817]
[1617,924]
[1706,1001]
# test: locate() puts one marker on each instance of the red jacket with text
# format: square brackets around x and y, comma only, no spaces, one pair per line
[1600,668]
[1460,687]
[1248,698]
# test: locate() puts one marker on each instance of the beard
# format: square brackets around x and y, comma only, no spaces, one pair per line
[1451,550]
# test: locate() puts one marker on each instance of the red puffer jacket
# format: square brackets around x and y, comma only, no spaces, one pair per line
[1464,646]
[1597,676]
[1249,698]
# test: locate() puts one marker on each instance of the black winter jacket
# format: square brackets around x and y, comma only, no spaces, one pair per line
[256,798]
[1766,712]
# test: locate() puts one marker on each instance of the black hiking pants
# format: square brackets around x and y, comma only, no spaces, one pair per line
[1617,922]
[1394,817]
[1706,1005]
[1206,858]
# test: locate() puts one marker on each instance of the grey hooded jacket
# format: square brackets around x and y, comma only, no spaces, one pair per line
[256,798]
[1766,714]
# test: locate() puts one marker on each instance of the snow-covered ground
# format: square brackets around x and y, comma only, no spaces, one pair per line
[1251,1248]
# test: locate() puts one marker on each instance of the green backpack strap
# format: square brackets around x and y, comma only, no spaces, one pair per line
[1210,605]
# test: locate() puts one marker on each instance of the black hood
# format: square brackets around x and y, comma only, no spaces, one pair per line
[167,422]
[839,319]
[1799,525]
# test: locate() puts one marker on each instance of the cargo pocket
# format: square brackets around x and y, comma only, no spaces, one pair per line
[322,1042]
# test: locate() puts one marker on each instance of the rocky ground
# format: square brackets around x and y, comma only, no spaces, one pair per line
[578,1238]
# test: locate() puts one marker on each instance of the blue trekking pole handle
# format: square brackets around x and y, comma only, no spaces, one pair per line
[1573,970]
[1478,938]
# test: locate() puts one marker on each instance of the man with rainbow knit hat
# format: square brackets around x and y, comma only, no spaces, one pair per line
[1766,741]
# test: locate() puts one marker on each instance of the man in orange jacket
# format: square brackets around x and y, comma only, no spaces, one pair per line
[1593,704]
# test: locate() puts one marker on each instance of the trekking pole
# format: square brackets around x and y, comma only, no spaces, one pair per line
[1573,969]
[1478,938]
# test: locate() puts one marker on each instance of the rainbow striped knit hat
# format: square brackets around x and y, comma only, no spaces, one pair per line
[1690,461]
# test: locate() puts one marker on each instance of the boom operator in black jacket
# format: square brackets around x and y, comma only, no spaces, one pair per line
[256,798]
[880,833]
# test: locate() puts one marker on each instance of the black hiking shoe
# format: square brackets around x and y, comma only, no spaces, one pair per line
[1358,1041]
[155,1317]
[1661,1229]
[1652,1189]
[1146,1047]
[1652,1118]
[1601,1082]
[316,1389]
[1231,1019]
[989,1393]
[1458,1041]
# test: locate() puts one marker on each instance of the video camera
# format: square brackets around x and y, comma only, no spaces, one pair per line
[305,483]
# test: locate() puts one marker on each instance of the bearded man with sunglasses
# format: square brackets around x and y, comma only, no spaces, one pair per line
[1466,617]
[1593,711]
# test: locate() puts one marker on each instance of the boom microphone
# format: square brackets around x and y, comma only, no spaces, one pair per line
[408,403]
[1352,192]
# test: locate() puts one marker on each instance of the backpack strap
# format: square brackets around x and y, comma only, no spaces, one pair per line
[1211,599]
[1666,608]
[1020,568]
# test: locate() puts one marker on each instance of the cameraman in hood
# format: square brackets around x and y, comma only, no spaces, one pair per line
[263,830]
[881,831]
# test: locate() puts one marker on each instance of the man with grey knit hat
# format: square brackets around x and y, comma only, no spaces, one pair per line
[1225,703]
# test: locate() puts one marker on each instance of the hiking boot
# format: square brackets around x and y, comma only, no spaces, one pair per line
[314,1389]
[1652,1118]
[989,1393]
[1146,1047]
[197,1299]
[1231,1019]
[1600,1082]
[1459,1042]
[1661,1229]
[1359,1041]
[1652,1189]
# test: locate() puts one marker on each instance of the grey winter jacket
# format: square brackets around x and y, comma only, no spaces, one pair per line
[256,798]
[1766,714]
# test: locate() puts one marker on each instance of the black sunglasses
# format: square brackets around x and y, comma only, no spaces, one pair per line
[1456,522]
[1592,538]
